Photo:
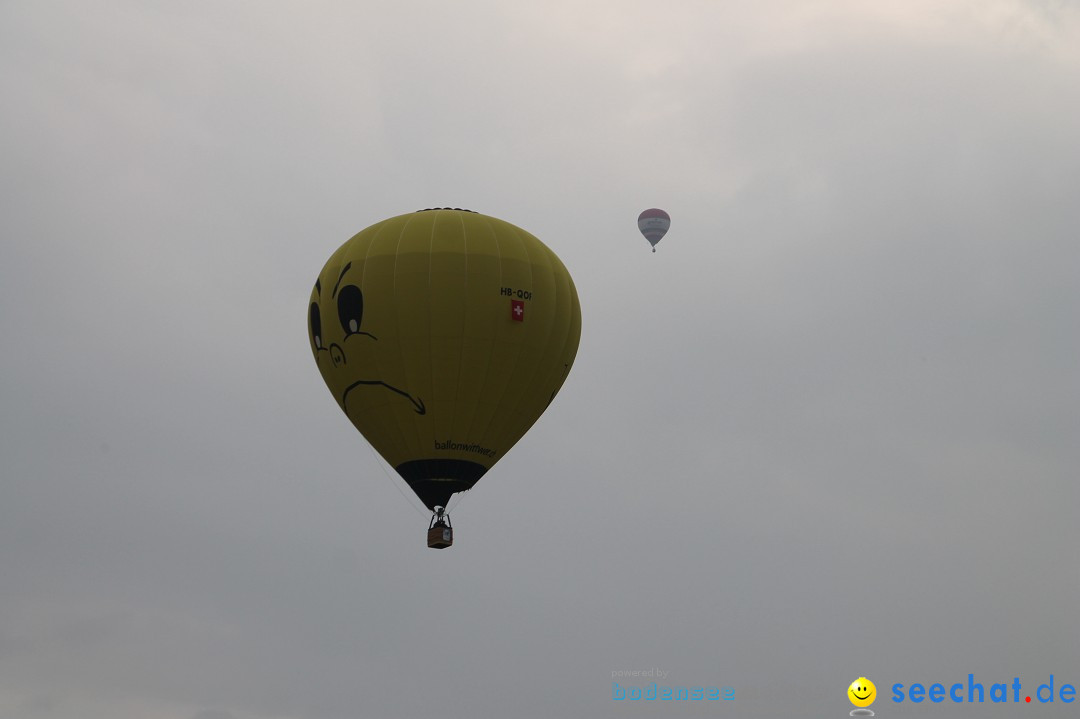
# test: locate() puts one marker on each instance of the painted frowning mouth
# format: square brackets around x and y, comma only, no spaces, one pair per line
[417,403]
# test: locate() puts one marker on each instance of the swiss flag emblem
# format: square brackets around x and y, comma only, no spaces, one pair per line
[517,310]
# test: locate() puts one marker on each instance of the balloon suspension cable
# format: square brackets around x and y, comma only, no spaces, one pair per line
[455,499]
[379,461]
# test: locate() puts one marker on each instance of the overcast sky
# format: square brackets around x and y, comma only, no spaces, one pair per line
[828,430]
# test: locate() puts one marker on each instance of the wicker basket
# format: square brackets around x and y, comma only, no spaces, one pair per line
[440,537]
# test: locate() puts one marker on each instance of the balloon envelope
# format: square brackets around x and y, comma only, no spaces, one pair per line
[443,335]
[654,224]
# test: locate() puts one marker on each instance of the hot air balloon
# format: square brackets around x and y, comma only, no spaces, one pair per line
[443,335]
[654,225]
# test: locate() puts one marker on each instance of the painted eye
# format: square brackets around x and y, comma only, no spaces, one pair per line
[316,325]
[350,307]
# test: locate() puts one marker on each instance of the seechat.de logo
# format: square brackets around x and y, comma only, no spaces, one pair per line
[975,692]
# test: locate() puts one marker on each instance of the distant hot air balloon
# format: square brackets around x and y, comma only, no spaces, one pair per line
[443,335]
[654,225]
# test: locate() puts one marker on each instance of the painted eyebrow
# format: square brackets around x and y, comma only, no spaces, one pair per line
[318,287]
[347,266]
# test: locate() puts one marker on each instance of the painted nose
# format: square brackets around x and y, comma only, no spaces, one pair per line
[337,355]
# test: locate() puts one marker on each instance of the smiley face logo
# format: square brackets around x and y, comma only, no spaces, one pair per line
[862,692]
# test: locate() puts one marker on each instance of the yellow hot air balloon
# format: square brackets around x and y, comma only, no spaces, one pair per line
[443,335]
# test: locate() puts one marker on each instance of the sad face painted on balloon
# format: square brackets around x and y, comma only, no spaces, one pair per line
[417,331]
[347,354]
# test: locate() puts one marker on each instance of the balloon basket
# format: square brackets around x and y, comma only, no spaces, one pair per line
[440,534]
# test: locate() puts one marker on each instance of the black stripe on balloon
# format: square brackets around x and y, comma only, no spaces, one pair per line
[435,480]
